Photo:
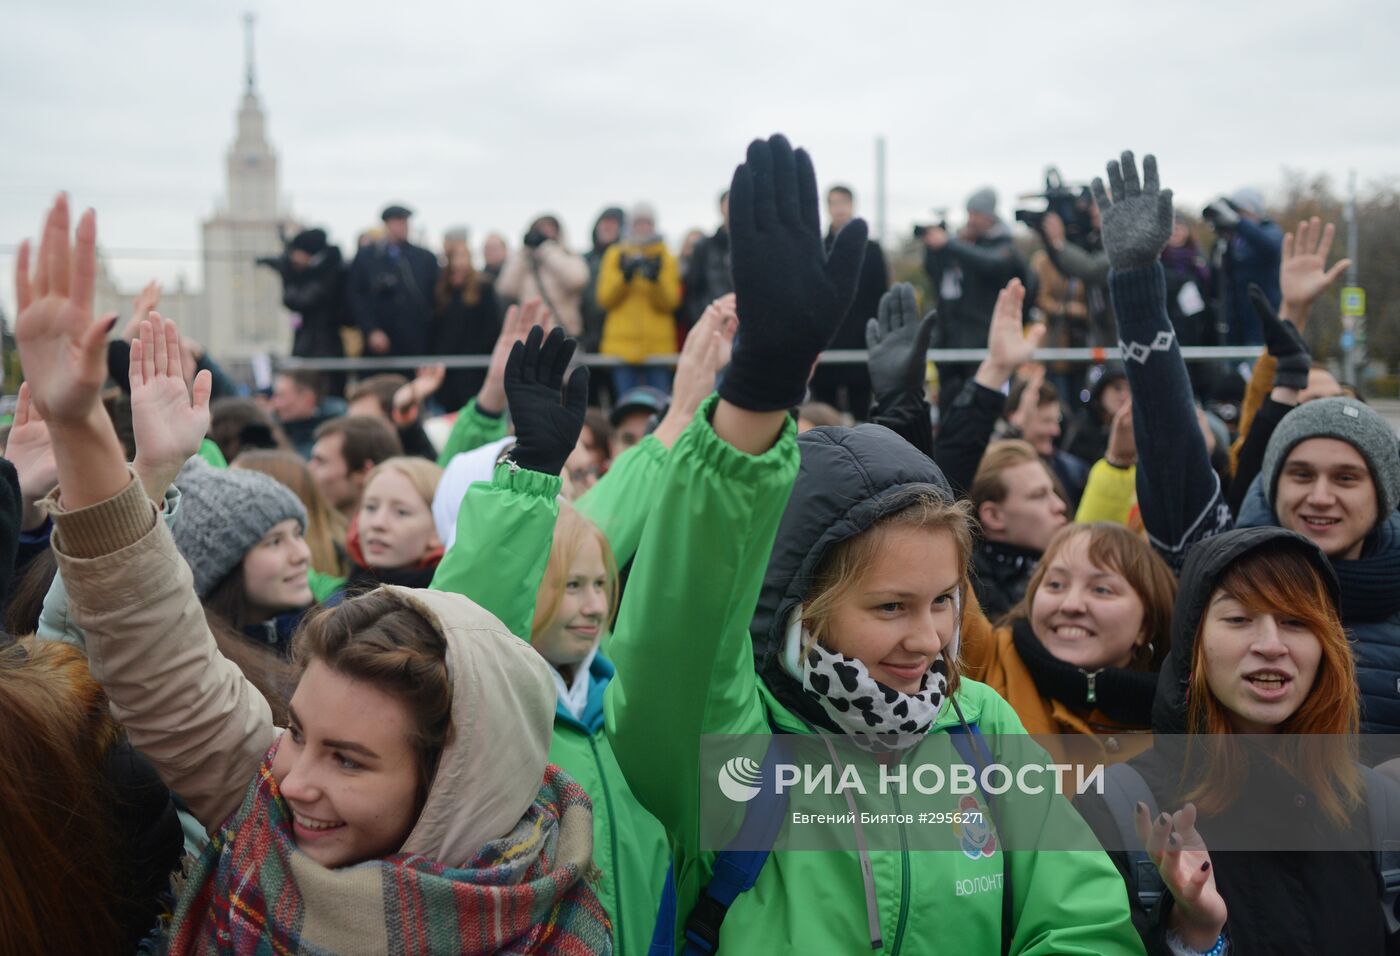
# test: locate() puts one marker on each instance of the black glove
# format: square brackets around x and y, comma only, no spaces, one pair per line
[629,266]
[534,239]
[791,294]
[651,268]
[1285,343]
[897,343]
[546,429]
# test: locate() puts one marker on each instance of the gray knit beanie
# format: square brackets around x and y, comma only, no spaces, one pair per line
[223,513]
[983,201]
[1344,419]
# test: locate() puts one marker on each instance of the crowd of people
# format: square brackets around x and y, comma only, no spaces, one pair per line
[632,298]
[326,671]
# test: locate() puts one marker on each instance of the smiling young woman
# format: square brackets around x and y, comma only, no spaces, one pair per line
[1079,654]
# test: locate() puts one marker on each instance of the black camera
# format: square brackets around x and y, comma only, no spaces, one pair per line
[1222,215]
[648,267]
[921,230]
[1071,204]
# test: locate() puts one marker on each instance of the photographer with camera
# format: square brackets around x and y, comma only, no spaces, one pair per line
[1248,249]
[544,269]
[313,290]
[639,284]
[391,290]
[968,272]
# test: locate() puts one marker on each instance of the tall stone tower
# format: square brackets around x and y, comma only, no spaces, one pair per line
[243,301]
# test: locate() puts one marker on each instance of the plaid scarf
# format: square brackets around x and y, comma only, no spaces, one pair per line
[251,892]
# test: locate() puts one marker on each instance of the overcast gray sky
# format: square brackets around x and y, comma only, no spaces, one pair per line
[484,114]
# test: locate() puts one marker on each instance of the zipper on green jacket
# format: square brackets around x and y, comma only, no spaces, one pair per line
[612,838]
[903,881]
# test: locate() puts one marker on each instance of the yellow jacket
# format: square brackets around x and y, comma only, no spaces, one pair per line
[639,321]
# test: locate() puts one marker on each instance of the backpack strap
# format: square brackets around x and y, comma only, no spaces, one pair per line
[1124,789]
[1383,808]
[663,937]
[735,871]
[972,747]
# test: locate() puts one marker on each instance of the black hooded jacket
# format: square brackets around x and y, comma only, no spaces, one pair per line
[1280,901]
[848,479]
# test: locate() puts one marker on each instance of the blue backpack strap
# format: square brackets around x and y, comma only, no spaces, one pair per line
[735,871]
[1124,789]
[972,747]
[1383,808]
[663,937]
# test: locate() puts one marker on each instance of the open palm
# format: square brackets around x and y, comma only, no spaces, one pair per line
[1303,274]
[60,346]
[167,424]
[30,449]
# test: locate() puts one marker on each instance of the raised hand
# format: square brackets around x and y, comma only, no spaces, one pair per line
[547,425]
[60,346]
[1284,341]
[705,352]
[167,423]
[791,294]
[1303,274]
[30,449]
[1122,443]
[1137,217]
[1173,843]
[147,300]
[518,322]
[411,395]
[897,342]
[1009,346]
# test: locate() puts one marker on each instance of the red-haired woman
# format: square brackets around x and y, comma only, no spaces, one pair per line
[1258,648]
[89,835]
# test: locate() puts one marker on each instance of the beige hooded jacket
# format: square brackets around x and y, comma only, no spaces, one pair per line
[206,727]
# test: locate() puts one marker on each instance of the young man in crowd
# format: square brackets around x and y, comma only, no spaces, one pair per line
[346,451]
[298,404]
[1019,508]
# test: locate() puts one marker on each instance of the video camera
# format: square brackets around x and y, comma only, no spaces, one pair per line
[1223,215]
[1071,204]
[919,229]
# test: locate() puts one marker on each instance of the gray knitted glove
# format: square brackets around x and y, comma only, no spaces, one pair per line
[1137,221]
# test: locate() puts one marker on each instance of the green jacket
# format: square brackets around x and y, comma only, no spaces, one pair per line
[516,512]
[472,429]
[685,668]
[621,501]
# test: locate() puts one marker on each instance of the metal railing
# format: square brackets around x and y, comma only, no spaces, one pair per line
[1192,353]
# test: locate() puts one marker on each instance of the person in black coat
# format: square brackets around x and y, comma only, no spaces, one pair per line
[830,380]
[968,271]
[709,275]
[467,322]
[1258,648]
[391,290]
[313,288]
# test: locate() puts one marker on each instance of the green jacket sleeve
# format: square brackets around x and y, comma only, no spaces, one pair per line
[211,453]
[323,585]
[54,622]
[504,533]
[1108,494]
[472,429]
[622,499]
[681,645]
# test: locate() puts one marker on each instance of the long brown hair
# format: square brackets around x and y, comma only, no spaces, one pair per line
[845,565]
[1113,547]
[56,865]
[325,526]
[470,293]
[1283,581]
